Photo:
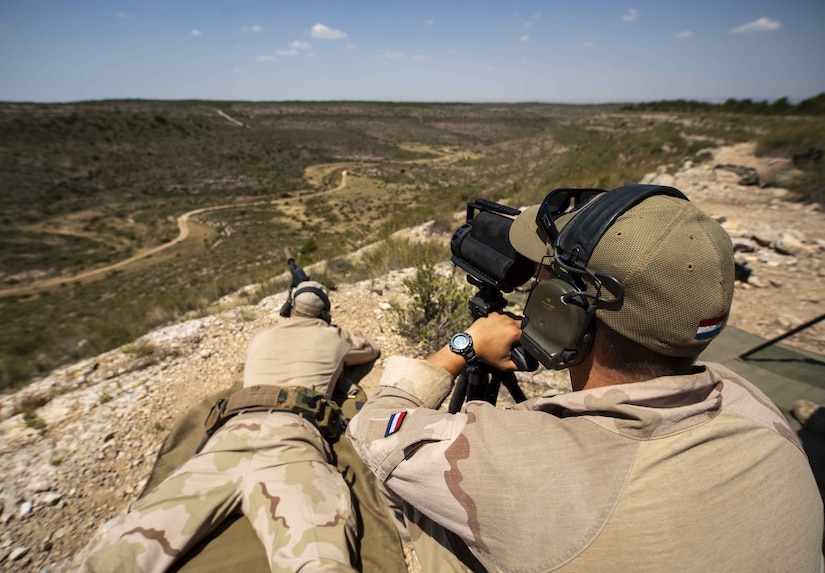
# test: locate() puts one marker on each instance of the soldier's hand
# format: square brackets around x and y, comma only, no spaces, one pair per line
[493,338]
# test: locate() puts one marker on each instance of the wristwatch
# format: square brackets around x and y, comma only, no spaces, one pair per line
[462,344]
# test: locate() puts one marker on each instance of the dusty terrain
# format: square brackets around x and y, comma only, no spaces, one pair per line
[781,241]
[105,418]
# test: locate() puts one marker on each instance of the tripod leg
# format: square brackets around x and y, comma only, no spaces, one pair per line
[491,395]
[459,394]
[477,378]
[510,382]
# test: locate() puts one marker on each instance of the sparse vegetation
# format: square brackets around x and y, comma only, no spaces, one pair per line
[394,253]
[89,184]
[438,307]
[804,143]
[33,421]
[781,106]
[140,348]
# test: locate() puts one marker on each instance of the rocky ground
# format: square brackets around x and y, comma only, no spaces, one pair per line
[102,420]
[780,240]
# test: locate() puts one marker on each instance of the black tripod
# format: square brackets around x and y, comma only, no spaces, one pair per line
[482,382]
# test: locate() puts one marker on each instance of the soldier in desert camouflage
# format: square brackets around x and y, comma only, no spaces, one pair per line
[654,462]
[265,456]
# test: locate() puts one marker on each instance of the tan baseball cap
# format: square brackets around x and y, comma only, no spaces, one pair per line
[676,265]
[306,300]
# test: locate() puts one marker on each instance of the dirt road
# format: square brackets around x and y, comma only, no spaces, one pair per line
[187,230]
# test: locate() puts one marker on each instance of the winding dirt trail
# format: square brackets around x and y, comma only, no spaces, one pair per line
[157,254]
[187,228]
[125,264]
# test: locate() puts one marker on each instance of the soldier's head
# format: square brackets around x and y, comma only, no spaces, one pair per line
[311,299]
[639,264]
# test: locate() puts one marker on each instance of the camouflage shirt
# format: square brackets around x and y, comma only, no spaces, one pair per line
[304,352]
[693,473]
[274,467]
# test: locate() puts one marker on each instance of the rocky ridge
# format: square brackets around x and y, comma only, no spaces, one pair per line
[77,446]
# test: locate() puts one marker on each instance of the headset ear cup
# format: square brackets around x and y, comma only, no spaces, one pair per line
[286,308]
[556,332]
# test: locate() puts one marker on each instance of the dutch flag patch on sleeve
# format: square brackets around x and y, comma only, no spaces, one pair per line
[710,328]
[395,423]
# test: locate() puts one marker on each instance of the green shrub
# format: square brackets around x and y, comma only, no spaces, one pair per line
[396,253]
[309,247]
[790,138]
[793,141]
[33,421]
[140,348]
[439,307]
[327,279]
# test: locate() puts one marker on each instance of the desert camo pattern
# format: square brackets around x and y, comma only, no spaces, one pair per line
[690,473]
[304,352]
[272,467]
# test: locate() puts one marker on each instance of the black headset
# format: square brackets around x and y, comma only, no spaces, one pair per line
[290,302]
[558,317]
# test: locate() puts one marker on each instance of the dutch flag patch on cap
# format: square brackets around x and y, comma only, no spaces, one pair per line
[395,423]
[710,328]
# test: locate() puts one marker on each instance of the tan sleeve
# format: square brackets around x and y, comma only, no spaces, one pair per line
[363,348]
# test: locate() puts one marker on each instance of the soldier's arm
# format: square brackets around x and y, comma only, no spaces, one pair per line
[493,338]
[407,442]
[413,389]
[363,348]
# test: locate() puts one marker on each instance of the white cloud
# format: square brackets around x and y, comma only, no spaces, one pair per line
[322,32]
[295,47]
[586,44]
[197,33]
[524,38]
[254,29]
[124,15]
[631,15]
[390,55]
[761,25]
[429,21]
[685,34]
[419,58]
[265,59]
[534,18]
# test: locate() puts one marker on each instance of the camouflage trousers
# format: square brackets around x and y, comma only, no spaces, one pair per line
[274,467]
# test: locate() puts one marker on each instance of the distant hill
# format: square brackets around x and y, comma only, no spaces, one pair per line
[85,185]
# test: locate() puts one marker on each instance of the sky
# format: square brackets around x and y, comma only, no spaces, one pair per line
[570,51]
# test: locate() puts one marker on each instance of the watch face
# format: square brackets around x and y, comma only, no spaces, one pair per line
[460,341]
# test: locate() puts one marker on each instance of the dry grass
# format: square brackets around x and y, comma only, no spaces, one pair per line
[148,162]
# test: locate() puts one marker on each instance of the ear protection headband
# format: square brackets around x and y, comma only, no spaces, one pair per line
[290,302]
[558,318]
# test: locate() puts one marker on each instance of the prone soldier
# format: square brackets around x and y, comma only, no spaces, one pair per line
[266,453]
